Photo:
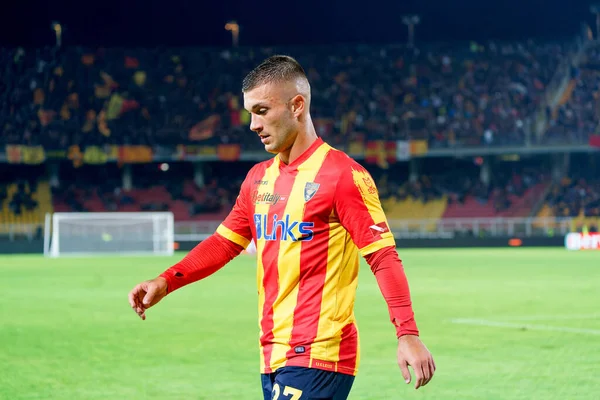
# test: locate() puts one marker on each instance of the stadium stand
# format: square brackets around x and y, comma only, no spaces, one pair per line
[24,205]
[100,189]
[502,204]
[450,95]
[198,204]
[575,197]
[457,192]
[545,211]
[576,115]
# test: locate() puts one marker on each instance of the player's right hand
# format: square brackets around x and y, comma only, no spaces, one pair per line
[146,294]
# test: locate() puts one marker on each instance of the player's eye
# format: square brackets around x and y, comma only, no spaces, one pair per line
[262,111]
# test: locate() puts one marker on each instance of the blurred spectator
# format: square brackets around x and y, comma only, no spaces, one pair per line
[574,197]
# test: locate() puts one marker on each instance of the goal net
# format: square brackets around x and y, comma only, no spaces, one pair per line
[127,233]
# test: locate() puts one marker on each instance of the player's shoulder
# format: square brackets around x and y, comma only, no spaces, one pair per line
[258,169]
[351,174]
[343,162]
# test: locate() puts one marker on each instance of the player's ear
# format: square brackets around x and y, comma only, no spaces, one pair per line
[298,103]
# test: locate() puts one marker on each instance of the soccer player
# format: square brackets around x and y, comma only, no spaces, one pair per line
[311,210]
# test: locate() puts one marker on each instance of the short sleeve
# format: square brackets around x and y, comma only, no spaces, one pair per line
[359,210]
[236,226]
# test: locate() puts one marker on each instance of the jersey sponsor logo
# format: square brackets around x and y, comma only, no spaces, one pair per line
[282,229]
[267,198]
[310,189]
[299,349]
[261,182]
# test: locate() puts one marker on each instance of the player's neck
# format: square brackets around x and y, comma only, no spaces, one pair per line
[303,141]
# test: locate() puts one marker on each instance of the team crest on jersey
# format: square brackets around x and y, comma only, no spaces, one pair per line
[370,185]
[310,189]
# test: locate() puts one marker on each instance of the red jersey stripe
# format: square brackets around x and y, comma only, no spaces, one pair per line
[348,349]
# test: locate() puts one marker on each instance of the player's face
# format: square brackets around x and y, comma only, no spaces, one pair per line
[272,117]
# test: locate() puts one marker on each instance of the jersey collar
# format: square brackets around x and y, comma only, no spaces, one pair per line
[303,157]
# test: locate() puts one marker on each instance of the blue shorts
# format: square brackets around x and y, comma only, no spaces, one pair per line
[300,383]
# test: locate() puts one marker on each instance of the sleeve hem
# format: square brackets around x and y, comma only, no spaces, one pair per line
[232,236]
[378,245]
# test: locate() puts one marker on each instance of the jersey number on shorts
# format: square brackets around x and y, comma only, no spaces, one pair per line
[287,391]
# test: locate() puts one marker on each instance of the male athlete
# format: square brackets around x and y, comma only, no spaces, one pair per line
[311,210]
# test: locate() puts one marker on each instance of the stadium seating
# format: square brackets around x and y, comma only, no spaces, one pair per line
[153,198]
[27,220]
[414,209]
[399,211]
[520,206]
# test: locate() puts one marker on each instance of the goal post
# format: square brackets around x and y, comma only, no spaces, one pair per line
[109,233]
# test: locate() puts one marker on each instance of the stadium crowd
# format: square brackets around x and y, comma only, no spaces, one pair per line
[458,95]
[579,115]
[576,196]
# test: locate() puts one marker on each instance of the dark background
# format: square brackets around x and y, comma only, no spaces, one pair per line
[191,22]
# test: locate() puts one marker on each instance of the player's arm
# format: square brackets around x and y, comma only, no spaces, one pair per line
[392,281]
[232,236]
[359,209]
[210,255]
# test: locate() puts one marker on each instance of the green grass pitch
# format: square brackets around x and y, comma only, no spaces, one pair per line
[501,324]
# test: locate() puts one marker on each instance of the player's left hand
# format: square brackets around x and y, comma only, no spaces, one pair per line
[411,351]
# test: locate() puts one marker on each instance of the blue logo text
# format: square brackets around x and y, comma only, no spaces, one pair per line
[282,229]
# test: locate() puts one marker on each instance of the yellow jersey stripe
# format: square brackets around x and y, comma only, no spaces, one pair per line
[380,244]
[231,235]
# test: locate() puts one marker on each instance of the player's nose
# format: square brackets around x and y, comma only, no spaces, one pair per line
[255,124]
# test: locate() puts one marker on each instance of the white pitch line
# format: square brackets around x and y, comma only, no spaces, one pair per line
[551,317]
[500,324]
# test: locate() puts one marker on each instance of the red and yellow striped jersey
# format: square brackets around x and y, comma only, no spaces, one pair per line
[310,219]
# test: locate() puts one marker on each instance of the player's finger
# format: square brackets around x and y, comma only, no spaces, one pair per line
[151,291]
[419,376]
[405,372]
[137,293]
[431,367]
[132,298]
[427,373]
